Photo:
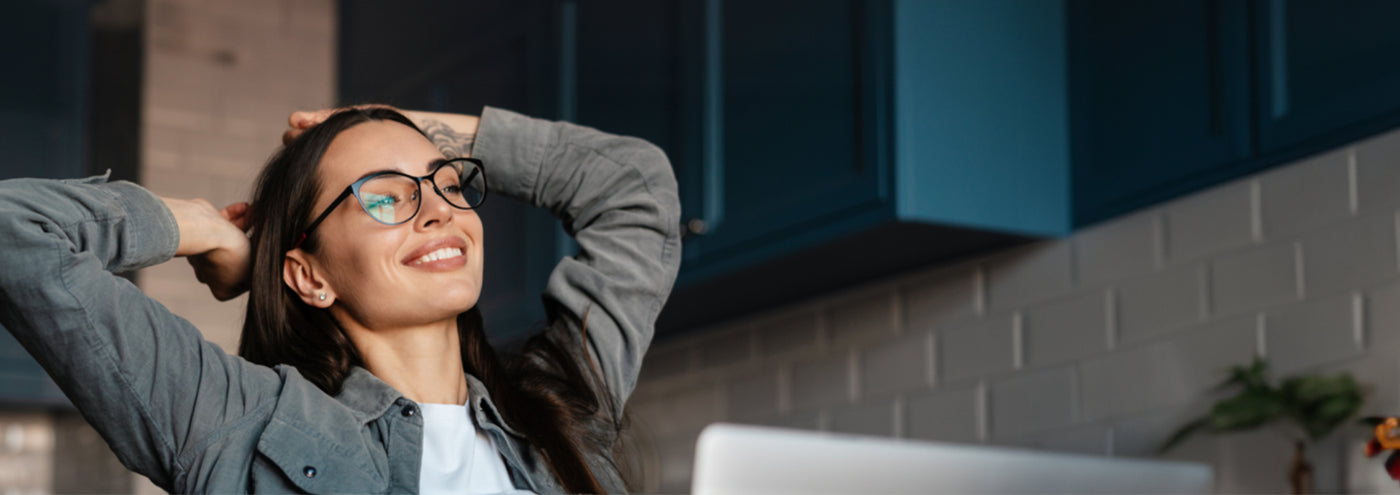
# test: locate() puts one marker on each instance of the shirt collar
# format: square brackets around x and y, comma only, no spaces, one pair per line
[370,397]
[480,399]
[366,394]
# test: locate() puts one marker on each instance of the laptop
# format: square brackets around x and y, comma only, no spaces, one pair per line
[739,459]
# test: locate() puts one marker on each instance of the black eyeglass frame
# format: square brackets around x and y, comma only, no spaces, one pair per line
[354,190]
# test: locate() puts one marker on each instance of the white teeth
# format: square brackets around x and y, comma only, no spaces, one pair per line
[447,252]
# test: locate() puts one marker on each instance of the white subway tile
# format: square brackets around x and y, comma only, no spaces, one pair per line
[1144,435]
[1351,255]
[1032,402]
[681,411]
[1117,249]
[728,347]
[1067,329]
[1304,335]
[1161,303]
[1378,172]
[981,349]
[787,333]
[1210,222]
[820,383]
[1382,310]
[875,418]
[1085,440]
[1167,372]
[1306,195]
[1259,277]
[948,298]
[1029,274]
[752,396]
[945,415]
[668,361]
[900,364]
[865,319]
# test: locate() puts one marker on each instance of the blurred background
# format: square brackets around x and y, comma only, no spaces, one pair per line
[1045,224]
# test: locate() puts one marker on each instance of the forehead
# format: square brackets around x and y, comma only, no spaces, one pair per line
[372,146]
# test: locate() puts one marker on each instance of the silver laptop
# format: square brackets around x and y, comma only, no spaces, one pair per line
[735,459]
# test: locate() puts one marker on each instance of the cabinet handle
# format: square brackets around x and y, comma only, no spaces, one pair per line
[693,227]
[1278,59]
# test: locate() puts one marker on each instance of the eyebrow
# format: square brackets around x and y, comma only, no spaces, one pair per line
[432,165]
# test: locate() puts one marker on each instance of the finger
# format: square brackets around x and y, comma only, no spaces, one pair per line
[300,119]
[235,210]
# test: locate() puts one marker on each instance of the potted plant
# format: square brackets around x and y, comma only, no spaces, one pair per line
[1309,406]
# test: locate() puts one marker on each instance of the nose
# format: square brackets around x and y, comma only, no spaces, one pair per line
[434,208]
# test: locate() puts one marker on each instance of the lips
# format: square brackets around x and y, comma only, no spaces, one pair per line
[446,252]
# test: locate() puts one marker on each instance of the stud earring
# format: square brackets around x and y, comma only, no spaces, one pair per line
[322,296]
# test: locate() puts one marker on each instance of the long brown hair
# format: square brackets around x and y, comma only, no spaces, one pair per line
[541,391]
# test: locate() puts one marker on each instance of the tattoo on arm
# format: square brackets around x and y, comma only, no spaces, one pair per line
[452,143]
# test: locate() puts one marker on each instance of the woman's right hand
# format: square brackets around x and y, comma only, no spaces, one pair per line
[216,244]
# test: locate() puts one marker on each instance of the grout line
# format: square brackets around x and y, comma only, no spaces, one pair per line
[785,389]
[1298,269]
[898,417]
[1203,279]
[1159,240]
[897,312]
[1261,347]
[1018,350]
[853,376]
[979,290]
[983,410]
[930,363]
[1111,317]
[1256,220]
[1358,320]
[1397,238]
[1354,199]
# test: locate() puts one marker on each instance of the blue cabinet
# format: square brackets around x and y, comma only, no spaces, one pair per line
[1159,99]
[1168,97]
[1328,71]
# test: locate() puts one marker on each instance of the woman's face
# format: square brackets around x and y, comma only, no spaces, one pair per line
[385,276]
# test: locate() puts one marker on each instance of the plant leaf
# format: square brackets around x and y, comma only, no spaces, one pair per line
[1183,433]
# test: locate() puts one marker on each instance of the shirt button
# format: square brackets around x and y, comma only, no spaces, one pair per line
[409,411]
[309,471]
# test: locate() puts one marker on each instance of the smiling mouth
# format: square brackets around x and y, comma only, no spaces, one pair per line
[440,254]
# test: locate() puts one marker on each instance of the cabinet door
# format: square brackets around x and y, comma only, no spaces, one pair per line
[794,135]
[1159,100]
[640,72]
[1326,67]
[457,57]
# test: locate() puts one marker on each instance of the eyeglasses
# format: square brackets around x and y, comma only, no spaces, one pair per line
[392,198]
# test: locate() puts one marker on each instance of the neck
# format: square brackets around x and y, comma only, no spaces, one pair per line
[424,363]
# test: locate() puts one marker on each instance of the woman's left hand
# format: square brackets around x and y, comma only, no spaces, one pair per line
[216,244]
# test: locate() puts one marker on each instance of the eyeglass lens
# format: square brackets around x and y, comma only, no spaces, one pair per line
[394,198]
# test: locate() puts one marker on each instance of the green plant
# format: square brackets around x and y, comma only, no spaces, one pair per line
[1315,404]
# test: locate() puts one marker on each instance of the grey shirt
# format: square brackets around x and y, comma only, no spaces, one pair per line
[179,410]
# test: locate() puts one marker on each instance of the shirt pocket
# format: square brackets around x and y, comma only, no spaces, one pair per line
[311,463]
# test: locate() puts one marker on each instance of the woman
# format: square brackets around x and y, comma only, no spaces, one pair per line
[366,366]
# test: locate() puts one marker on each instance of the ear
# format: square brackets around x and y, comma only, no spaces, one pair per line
[302,275]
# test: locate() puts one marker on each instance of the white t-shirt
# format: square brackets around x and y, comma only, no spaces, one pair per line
[458,458]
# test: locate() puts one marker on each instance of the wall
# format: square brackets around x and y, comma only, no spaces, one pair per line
[1100,343]
[221,78]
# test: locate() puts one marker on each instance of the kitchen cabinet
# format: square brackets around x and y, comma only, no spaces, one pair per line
[1326,70]
[1169,97]
[797,173]
[1159,98]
